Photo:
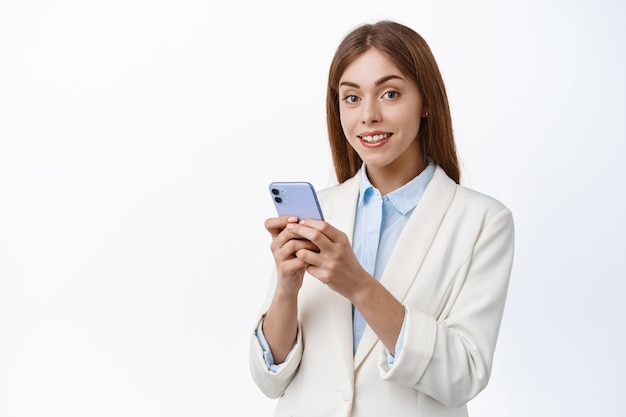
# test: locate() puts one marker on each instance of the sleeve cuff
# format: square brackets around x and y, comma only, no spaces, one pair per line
[267,353]
[391,359]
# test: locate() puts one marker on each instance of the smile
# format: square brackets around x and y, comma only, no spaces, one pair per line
[375,138]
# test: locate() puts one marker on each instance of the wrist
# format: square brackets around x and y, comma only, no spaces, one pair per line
[286,294]
[365,291]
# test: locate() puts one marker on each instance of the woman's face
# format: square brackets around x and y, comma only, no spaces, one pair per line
[380,111]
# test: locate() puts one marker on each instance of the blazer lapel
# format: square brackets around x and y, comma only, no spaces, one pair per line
[339,205]
[412,247]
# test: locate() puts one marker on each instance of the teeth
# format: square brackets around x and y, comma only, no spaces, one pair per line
[375,138]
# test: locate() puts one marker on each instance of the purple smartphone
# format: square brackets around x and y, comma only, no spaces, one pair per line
[296,199]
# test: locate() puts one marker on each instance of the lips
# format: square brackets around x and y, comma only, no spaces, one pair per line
[374,138]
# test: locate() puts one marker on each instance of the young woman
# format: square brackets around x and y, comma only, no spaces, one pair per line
[392,306]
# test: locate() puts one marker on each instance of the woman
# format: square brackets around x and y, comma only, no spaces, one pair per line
[392,306]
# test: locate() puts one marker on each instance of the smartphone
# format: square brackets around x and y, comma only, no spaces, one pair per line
[296,199]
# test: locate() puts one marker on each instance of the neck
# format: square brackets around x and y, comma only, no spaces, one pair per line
[389,179]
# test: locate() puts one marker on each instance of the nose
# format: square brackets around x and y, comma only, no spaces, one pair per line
[371,112]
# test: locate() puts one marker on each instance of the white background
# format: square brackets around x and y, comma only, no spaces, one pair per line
[137,139]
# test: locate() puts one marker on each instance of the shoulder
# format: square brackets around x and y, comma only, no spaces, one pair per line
[469,197]
[467,202]
[469,217]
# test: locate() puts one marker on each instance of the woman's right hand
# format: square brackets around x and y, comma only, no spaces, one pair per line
[285,244]
[280,325]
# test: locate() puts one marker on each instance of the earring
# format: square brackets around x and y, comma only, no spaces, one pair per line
[425,114]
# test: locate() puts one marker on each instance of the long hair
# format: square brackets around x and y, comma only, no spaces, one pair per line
[412,55]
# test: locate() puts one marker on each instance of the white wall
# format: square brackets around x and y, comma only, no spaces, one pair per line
[137,139]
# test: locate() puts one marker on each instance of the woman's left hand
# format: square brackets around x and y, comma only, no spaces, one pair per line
[335,264]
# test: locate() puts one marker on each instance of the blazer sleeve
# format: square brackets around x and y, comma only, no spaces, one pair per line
[449,358]
[273,384]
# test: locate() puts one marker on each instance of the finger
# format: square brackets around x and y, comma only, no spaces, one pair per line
[286,244]
[290,267]
[303,231]
[333,234]
[309,257]
[285,235]
[275,225]
[306,245]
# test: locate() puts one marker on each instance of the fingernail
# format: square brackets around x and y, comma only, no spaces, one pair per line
[292,219]
[289,226]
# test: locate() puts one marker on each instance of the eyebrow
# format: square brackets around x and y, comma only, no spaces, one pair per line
[378,82]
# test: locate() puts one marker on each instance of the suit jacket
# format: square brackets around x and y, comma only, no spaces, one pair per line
[450,269]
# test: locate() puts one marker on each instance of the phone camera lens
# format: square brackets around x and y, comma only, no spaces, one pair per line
[278,199]
[275,191]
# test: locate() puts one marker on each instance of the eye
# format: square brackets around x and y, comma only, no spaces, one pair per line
[391,95]
[351,99]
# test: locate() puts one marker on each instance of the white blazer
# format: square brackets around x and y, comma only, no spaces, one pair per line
[450,269]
